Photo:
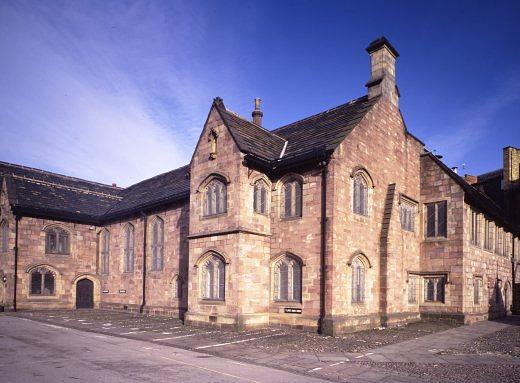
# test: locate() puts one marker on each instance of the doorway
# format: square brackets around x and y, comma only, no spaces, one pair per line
[84,294]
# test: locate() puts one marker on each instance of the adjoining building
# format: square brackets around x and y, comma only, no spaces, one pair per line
[338,222]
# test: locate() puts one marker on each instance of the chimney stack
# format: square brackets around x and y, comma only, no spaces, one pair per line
[511,157]
[257,113]
[382,71]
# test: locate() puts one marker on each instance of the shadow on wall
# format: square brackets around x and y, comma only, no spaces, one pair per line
[498,301]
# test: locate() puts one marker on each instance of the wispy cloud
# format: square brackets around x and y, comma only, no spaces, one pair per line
[471,127]
[104,91]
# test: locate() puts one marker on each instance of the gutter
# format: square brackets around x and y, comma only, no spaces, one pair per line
[17,219]
[145,229]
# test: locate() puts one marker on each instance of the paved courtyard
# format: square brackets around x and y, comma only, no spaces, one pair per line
[420,352]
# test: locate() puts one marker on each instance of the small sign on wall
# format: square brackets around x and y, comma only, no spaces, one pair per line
[292,310]
[122,291]
[105,291]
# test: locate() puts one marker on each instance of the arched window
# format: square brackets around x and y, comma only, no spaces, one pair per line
[292,199]
[260,197]
[104,251]
[358,281]
[158,244]
[287,280]
[4,232]
[42,282]
[129,249]
[215,198]
[360,195]
[57,241]
[213,278]
[177,287]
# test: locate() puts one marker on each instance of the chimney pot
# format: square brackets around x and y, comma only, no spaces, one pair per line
[382,70]
[257,113]
[114,185]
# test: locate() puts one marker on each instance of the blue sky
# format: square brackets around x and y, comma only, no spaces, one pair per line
[119,91]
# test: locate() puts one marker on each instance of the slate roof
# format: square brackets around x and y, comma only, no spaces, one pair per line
[164,188]
[251,138]
[327,129]
[40,193]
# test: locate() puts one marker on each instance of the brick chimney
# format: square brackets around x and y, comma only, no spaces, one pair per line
[382,70]
[511,166]
[257,113]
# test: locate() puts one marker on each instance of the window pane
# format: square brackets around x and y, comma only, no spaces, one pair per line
[430,220]
[288,199]
[263,200]
[221,280]
[298,199]
[51,241]
[284,281]
[48,284]
[296,282]
[36,283]
[442,219]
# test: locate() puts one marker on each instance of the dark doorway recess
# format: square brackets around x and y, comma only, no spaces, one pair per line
[85,294]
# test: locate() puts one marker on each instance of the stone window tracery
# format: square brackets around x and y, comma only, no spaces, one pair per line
[213,278]
[57,241]
[260,195]
[129,249]
[104,251]
[42,282]
[287,275]
[360,195]
[215,198]
[292,199]
[358,281]
[158,244]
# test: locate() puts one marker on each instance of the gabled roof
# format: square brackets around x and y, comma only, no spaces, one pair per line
[159,190]
[327,129]
[40,193]
[324,130]
[251,138]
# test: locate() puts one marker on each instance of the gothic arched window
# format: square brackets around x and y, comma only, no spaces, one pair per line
[360,195]
[213,278]
[215,198]
[287,283]
[292,199]
[358,280]
[42,282]
[57,241]
[129,249]
[104,250]
[158,244]
[260,197]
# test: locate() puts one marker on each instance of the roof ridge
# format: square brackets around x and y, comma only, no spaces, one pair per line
[52,184]
[252,123]
[58,175]
[351,102]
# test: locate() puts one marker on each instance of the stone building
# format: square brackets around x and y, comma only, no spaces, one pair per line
[340,221]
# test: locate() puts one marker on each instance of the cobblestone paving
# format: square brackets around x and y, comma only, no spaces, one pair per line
[420,352]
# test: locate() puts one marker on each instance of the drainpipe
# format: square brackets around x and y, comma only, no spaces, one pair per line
[323,246]
[145,226]
[17,219]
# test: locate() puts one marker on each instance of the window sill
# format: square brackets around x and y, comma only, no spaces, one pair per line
[358,303]
[205,217]
[212,302]
[433,303]
[436,239]
[56,254]
[287,303]
[290,218]
[262,214]
[42,297]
